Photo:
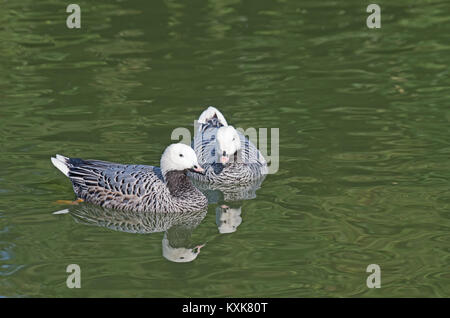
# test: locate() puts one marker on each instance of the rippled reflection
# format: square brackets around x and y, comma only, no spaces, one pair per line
[177,227]
[229,200]
[228,218]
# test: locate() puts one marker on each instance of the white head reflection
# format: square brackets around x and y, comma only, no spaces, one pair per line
[179,254]
[228,219]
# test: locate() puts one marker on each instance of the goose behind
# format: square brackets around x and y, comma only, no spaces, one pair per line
[226,154]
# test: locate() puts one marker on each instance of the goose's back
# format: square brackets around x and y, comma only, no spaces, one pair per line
[204,143]
[118,186]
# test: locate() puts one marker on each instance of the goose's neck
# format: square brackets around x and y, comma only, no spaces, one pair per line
[178,183]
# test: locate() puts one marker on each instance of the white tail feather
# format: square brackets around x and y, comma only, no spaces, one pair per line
[60,163]
[65,211]
[209,113]
[61,158]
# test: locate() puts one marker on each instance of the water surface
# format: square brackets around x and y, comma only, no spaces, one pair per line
[364,143]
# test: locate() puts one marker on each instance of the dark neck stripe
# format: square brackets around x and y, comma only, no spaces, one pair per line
[178,182]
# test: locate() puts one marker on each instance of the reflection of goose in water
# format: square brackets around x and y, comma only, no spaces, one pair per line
[178,254]
[228,218]
[229,200]
[217,193]
[178,226]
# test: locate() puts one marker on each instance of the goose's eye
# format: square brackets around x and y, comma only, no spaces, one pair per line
[233,139]
[181,155]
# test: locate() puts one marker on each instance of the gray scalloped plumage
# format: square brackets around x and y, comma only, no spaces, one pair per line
[132,187]
[134,221]
[248,166]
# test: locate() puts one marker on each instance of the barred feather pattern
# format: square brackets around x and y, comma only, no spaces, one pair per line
[247,166]
[136,222]
[133,187]
[217,193]
[177,227]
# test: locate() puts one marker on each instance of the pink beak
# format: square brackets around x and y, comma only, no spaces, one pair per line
[199,247]
[224,159]
[199,169]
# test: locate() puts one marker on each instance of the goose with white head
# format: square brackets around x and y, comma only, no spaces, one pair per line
[228,157]
[138,187]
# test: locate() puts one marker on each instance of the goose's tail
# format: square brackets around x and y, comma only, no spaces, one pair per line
[212,114]
[62,163]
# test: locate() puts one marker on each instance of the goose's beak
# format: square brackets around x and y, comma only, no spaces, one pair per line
[224,159]
[199,247]
[197,168]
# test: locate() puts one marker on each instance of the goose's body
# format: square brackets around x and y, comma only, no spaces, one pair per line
[247,164]
[136,187]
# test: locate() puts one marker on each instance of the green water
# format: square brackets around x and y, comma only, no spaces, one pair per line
[363,116]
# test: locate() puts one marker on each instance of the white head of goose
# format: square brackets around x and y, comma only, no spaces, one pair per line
[179,157]
[228,157]
[228,143]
